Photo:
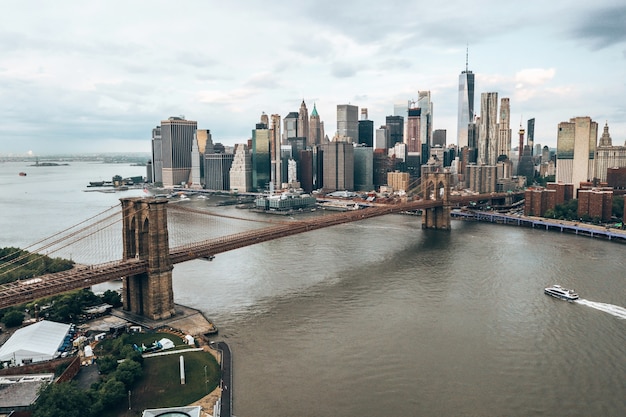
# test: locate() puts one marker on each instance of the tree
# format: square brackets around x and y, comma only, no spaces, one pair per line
[112,297]
[63,399]
[128,372]
[106,364]
[111,392]
[13,318]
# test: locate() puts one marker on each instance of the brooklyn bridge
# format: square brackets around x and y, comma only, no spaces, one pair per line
[157,235]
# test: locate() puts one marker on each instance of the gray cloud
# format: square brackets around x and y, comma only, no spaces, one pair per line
[343,69]
[602,28]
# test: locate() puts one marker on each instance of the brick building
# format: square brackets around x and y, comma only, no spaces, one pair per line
[539,200]
[595,204]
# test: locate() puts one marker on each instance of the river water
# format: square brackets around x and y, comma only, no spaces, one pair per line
[380,317]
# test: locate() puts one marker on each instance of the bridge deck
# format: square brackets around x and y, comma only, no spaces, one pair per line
[20,292]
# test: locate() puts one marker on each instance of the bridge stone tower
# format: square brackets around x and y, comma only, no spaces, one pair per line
[436,186]
[145,237]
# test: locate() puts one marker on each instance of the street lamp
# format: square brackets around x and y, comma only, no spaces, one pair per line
[206,380]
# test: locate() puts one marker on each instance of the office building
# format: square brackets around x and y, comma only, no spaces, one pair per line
[413,129]
[347,123]
[290,126]
[382,138]
[176,138]
[504,130]
[157,156]
[241,169]
[576,148]
[275,143]
[261,163]
[608,156]
[366,130]
[302,127]
[363,168]
[395,125]
[316,131]
[426,117]
[530,134]
[338,166]
[217,168]
[439,138]
[488,129]
[466,105]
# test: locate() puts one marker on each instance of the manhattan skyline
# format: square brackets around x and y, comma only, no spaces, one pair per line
[99,76]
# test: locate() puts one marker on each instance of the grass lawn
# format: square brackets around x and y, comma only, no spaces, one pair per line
[160,384]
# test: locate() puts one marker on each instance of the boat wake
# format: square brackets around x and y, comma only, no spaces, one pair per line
[614,310]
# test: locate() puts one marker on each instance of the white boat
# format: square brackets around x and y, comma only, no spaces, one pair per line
[563,293]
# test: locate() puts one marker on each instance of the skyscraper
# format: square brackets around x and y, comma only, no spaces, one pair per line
[395,124]
[176,146]
[241,169]
[426,117]
[275,141]
[575,150]
[315,128]
[347,122]
[290,128]
[303,123]
[466,104]
[504,129]
[338,166]
[413,129]
[261,163]
[366,129]
[488,129]
[530,134]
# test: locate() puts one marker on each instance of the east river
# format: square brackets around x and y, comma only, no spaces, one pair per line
[382,318]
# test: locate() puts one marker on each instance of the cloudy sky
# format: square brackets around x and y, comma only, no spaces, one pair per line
[92,76]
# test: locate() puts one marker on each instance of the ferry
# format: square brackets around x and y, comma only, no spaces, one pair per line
[563,293]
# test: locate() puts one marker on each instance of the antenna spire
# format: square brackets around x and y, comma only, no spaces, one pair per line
[466,57]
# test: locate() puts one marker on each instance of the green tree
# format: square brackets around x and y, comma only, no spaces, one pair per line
[13,318]
[63,399]
[128,372]
[111,392]
[112,297]
[106,364]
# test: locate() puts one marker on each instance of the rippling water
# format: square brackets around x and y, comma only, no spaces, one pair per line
[383,318]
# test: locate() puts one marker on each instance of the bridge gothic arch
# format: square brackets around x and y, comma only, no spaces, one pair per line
[436,187]
[145,237]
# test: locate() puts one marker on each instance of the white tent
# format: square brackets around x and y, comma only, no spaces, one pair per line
[34,343]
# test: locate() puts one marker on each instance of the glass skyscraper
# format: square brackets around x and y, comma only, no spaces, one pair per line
[466,105]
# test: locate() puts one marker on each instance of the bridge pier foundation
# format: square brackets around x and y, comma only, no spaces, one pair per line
[145,237]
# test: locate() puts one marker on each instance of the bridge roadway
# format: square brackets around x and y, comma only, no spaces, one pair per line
[82,276]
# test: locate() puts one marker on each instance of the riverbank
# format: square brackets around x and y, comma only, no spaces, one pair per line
[563,226]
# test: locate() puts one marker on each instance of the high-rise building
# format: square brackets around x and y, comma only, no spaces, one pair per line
[575,151]
[241,169]
[382,138]
[504,130]
[366,129]
[439,137]
[261,163]
[466,105]
[315,128]
[608,156]
[530,134]
[176,146]
[303,123]
[290,126]
[413,128]
[488,129]
[363,168]
[275,142]
[426,117]
[338,163]
[157,156]
[217,168]
[195,163]
[347,122]
[395,124]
